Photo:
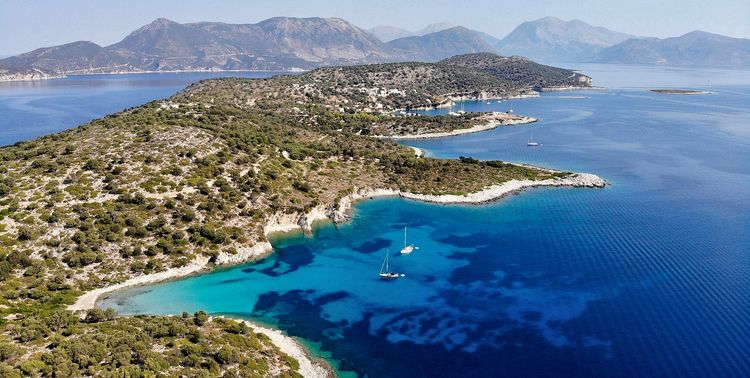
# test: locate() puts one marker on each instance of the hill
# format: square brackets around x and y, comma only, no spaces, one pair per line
[389,86]
[434,28]
[81,55]
[551,39]
[521,71]
[692,49]
[281,43]
[387,33]
[442,44]
[199,180]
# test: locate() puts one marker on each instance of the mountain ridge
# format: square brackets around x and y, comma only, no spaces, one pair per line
[279,43]
[300,44]
[696,48]
[552,39]
[442,44]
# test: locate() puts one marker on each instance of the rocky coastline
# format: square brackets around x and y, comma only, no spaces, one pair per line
[474,129]
[337,212]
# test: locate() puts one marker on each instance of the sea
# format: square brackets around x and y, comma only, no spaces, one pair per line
[649,276]
[29,109]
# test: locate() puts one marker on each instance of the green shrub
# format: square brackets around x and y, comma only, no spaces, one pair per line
[200,318]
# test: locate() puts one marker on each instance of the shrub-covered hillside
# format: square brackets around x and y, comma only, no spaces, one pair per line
[193,177]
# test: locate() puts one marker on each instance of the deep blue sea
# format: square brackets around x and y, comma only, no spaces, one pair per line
[647,277]
[29,109]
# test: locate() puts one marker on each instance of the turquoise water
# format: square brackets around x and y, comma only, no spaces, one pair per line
[648,277]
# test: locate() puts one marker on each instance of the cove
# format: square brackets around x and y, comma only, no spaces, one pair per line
[646,277]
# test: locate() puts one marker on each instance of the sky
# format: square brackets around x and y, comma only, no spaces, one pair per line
[29,24]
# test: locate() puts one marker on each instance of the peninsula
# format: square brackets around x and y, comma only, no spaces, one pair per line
[200,179]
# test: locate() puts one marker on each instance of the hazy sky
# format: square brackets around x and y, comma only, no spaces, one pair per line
[28,24]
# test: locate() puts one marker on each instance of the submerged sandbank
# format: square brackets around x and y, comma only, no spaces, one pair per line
[337,213]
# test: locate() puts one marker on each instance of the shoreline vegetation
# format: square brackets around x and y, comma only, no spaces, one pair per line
[336,213]
[201,179]
[309,365]
[283,223]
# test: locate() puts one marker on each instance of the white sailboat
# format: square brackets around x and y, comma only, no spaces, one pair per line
[408,248]
[531,142]
[385,269]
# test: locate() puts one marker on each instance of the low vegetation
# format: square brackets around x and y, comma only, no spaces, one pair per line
[62,345]
[151,188]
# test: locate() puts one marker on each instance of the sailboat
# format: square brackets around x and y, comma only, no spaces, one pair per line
[407,248]
[531,142]
[385,270]
[452,112]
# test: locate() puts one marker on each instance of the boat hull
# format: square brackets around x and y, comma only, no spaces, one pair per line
[389,276]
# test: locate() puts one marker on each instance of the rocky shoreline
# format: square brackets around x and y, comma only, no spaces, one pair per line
[451,100]
[568,88]
[337,213]
[28,76]
[474,129]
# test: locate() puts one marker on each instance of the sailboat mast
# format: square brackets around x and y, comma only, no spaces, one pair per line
[404,236]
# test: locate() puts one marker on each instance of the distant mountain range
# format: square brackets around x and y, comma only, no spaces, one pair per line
[280,43]
[286,43]
[387,33]
[441,44]
[551,39]
[692,49]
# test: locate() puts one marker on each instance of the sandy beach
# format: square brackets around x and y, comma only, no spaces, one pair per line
[88,300]
[418,152]
[309,366]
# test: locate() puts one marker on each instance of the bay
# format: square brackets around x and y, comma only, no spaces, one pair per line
[648,277]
